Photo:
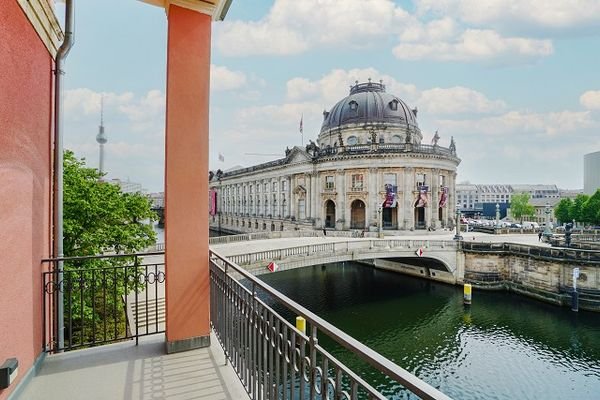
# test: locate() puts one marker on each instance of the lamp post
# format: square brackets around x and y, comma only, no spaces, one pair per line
[458,236]
[379,221]
[547,231]
[497,215]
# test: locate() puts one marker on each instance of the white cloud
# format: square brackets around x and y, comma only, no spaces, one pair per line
[458,99]
[335,85]
[511,14]
[515,125]
[292,27]
[134,125]
[222,78]
[590,99]
[474,45]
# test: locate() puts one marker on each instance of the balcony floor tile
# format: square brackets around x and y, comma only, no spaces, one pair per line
[143,372]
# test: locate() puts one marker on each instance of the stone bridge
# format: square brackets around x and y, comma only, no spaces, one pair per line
[433,259]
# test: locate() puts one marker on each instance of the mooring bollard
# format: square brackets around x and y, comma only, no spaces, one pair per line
[301,324]
[467,293]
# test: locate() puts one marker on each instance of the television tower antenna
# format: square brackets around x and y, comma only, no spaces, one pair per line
[101,138]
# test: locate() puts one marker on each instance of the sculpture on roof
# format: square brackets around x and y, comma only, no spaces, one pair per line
[287,151]
[452,146]
[435,139]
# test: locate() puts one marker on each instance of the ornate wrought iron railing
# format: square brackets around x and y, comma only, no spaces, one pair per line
[106,299]
[274,360]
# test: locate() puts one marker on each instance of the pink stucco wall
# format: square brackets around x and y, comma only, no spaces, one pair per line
[186,175]
[25,184]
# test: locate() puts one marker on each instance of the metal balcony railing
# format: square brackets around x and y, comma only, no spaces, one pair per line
[105,299]
[274,360]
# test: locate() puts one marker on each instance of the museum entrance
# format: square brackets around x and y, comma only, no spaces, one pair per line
[357,215]
[389,217]
[329,214]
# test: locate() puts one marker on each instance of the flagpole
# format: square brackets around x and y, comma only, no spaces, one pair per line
[302,129]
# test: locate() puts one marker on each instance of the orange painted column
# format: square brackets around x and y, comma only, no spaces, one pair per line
[186,180]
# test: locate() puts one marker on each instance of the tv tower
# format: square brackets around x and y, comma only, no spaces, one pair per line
[101,137]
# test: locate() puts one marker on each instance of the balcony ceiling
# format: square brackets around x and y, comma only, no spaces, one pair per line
[217,9]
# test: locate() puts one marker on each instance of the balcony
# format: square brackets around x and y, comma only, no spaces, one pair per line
[113,313]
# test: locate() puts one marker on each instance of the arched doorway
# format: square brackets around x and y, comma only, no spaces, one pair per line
[329,214]
[419,216]
[389,217]
[357,215]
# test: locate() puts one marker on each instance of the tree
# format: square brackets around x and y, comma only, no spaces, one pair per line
[590,211]
[562,211]
[99,218]
[577,208]
[520,207]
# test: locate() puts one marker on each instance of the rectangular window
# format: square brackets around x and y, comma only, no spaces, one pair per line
[357,182]
[251,189]
[274,186]
[329,182]
[389,179]
[442,181]
[258,188]
[421,180]
[266,187]
[284,186]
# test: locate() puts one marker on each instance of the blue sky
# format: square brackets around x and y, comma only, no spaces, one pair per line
[514,81]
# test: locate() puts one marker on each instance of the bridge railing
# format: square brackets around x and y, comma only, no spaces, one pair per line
[320,249]
[529,250]
[274,360]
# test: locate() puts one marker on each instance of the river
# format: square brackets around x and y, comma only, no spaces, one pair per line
[504,346]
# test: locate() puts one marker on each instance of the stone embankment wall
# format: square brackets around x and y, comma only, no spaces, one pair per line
[544,278]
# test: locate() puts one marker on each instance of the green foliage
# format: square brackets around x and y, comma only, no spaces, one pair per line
[576,211]
[590,211]
[562,211]
[520,207]
[99,218]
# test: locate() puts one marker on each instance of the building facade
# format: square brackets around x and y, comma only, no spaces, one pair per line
[366,170]
[477,200]
[591,173]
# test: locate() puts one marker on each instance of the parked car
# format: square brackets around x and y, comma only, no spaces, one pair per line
[518,226]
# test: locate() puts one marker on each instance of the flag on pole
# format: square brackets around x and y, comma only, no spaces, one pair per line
[301,127]
[221,157]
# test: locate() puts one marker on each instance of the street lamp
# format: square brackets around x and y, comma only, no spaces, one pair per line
[497,215]
[547,230]
[458,236]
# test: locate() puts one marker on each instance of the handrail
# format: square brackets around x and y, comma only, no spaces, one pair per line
[408,380]
[82,258]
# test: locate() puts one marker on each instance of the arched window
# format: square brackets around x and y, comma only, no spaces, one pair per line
[393,105]
[396,139]
[353,105]
[352,140]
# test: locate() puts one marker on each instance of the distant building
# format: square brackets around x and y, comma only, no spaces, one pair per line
[127,186]
[472,199]
[591,173]
[570,193]
[158,199]
[367,168]
[540,210]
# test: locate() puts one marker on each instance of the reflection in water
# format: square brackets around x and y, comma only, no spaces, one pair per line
[502,347]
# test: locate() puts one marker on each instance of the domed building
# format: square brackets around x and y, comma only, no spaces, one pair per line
[367,170]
